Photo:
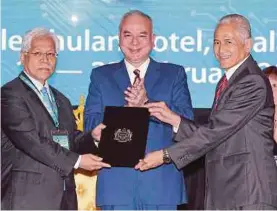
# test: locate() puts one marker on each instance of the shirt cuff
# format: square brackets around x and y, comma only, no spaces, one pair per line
[175,129]
[76,166]
[96,143]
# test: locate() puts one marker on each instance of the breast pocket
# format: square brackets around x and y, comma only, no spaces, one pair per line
[26,177]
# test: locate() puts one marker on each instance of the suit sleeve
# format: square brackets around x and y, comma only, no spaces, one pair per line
[181,100]
[19,126]
[94,106]
[247,99]
[84,143]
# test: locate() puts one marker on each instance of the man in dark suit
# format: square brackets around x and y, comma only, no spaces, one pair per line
[7,154]
[40,133]
[122,187]
[237,141]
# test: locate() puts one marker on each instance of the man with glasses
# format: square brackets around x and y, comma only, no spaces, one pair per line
[38,121]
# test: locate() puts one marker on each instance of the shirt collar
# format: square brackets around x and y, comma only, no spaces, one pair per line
[229,72]
[142,68]
[37,84]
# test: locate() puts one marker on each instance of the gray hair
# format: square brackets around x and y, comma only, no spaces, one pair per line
[241,22]
[37,32]
[135,12]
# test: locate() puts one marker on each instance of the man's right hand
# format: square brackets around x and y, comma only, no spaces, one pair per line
[96,132]
[92,162]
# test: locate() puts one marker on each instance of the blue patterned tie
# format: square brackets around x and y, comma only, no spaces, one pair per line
[48,104]
[46,99]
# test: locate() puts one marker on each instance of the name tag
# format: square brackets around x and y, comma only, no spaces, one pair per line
[61,137]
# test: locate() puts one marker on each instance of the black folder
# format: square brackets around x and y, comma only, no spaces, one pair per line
[123,141]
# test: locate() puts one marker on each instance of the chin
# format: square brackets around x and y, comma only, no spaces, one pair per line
[225,66]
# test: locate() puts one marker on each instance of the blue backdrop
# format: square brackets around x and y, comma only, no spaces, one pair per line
[88,33]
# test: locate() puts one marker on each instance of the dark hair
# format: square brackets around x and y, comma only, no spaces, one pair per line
[271,70]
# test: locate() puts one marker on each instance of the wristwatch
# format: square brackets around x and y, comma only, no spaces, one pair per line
[166,157]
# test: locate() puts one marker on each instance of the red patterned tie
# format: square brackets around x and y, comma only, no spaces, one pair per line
[137,77]
[221,87]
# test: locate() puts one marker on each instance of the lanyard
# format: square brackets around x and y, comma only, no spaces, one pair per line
[52,108]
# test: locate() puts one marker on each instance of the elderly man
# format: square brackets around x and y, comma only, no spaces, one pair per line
[237,141]
[126,188]
[38,121]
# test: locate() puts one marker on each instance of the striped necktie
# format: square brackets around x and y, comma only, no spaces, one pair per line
[137,76]
[221,87]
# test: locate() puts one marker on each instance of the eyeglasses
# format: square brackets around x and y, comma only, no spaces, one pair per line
[40,55]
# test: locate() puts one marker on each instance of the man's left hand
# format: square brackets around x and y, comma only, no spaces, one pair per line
[151,160]
[161,111]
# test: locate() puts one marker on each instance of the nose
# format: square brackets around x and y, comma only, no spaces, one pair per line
[135,41]
[221,49]
[44,57]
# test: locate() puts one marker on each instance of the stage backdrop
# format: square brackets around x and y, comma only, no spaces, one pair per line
[88,33]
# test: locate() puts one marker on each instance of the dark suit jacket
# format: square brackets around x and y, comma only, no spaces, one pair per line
[39,165]
[237,141]
[7,155]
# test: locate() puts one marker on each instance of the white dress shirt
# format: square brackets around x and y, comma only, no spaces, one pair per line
[39,85]
[142,68]
[229,72]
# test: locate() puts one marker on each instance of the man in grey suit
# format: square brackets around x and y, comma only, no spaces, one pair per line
[39,134]
[237,141]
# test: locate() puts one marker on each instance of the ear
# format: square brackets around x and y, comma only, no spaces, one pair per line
[119,38]
[153,40]
[22,57]
[248,45]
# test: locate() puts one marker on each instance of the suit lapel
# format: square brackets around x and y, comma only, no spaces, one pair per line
[33,96]
[152,75]
[121,77]
[213,106]
[59,104]
[241,70]
[236,76]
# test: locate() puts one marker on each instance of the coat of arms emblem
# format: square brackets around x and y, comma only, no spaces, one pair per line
[123,135]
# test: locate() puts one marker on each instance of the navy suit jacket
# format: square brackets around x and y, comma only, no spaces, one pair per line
[163,82]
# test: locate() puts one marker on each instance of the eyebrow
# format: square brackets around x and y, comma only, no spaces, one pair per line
[144,33]
[39,49]
[126,32]
[228,37]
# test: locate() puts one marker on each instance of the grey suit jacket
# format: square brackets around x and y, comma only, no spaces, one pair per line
[237,141]
[39,166]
